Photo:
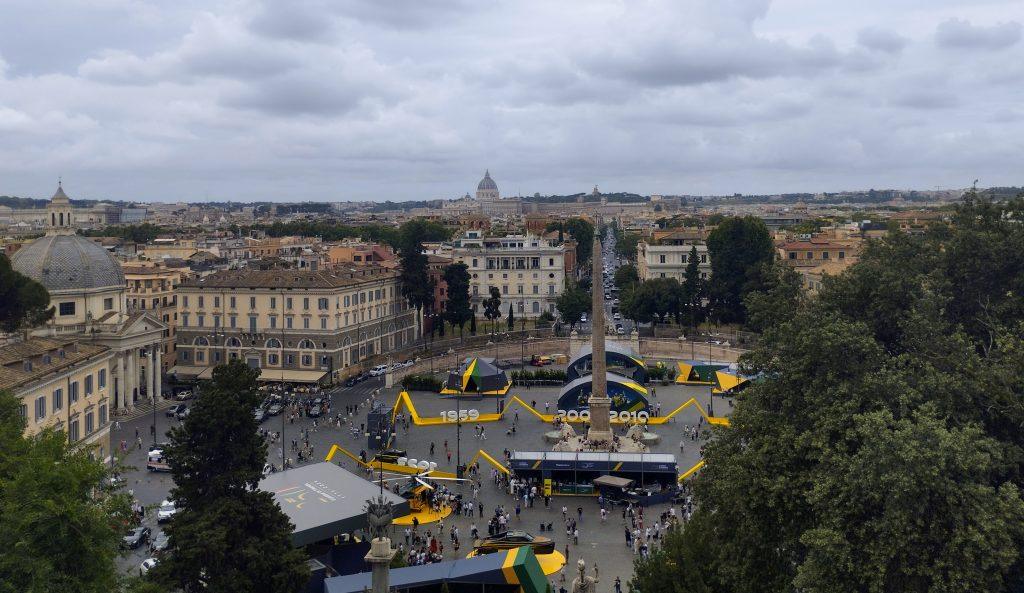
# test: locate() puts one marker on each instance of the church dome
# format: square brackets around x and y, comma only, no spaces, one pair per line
[68,262]
[487,182]
[59,197]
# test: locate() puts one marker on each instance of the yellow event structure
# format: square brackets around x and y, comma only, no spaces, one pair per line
[404,401]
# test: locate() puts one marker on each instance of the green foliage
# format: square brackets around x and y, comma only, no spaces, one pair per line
[539,374]
[545,319]
[492,307]
[582,231]
[694,291]
[457,310]
[60,527]
[333,231]
[227,534]
[23,301]
[417,285]
[778,302]
[625,276]
[135,233]
[424,382]
[625,246]
[653,300]
[881,450]
[572,304]
[738,248]
[511,319]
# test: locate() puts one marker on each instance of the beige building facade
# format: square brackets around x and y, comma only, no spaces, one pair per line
[294,325]
[152,288]
[529,271]
[670,261]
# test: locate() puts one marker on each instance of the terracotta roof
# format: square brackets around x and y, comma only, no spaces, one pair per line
[334,278]
[12,357]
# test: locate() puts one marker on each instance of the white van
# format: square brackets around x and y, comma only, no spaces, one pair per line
[157,462]
[378,370]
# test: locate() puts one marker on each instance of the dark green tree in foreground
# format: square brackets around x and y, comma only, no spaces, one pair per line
[694,291]
[739,248]
[572,304]
[492,307]
[417,286]
[881,450]
[457,308]
[511,319]
[626,276]
[60,525]
[23,301]
[228,535]
[779,300]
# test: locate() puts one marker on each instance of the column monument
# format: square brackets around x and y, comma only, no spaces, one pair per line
[599,403]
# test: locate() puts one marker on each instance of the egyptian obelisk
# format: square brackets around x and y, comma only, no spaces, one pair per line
[599,402]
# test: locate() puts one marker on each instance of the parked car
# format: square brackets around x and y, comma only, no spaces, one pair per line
[408,363]
[513,539]
[274,409]
[184,395]
[260,415]
[167,510]
[146,566]
[183,413]
[316,409]
[159,544]
[136,537]
[351,381]
[390,455]
[172,411]
[378,370]
[540,361]
[620,330]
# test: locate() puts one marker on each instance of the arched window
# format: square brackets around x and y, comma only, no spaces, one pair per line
[307,345]
[234,343]
[200,341]
[273,343]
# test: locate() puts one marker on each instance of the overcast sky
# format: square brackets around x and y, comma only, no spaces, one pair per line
[413,99]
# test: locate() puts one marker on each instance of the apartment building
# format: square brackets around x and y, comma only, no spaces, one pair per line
[655,260]
[151,287]
[294,325]
[63,384]
[529,271]
[816,250]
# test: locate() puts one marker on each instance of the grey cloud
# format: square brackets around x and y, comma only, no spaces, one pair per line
[881,40]
[304,21]
[961,34]
[924,98]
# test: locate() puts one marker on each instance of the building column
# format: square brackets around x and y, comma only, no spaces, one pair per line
[133,377]
[158,373]
[148,373]
[119,398]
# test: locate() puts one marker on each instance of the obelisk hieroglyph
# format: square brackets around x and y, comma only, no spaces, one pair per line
[599,403]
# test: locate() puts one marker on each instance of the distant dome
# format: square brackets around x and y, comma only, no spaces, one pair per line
[487,182]
[68,262]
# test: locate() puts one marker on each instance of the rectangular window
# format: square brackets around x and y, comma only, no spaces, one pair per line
[346,301]
[233,321]
[201,320]
[252,302]
[200,356]
[216,321]
[73,392]
[290,359]
[661,259]
[101,378]
[273,322]
[307,360]
[200,302]
[322,304]
[305,323]
[74,432]
[103,414]
[184,300]
[252,324]
[23,411]
[792,255]
[90,422]
[323,323]
[88,385]
[476,290]
[58,400]
[108,304]
[272,358]
[273,302]
[216,356]
[40,408]
[824,255]
[704,258]
[810,255]
[551,290]
[232,302]
[216,302]
[184,355]
[305,303]
[288,322]
[551,262]
[67,308]
[288,303]
[536,289]
[842,255]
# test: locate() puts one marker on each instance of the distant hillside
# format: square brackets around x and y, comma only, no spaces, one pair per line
[620,197]
[26,203]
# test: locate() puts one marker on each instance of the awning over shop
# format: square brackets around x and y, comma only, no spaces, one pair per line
[291,376]
[185,370]
[206,374]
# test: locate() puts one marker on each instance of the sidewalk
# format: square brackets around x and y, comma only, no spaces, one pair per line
[143,408]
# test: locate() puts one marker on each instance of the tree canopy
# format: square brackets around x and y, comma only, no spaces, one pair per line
[227,534]
[23,301]
[738,248]
[414,277]
[652,300]
[60,521]
[572,304]
[625,276]
[880,451]
[457,310]
[582,231]
[492,307]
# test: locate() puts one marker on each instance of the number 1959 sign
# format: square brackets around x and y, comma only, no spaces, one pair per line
[464,415]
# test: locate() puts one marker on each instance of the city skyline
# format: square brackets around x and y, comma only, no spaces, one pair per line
[357,101]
